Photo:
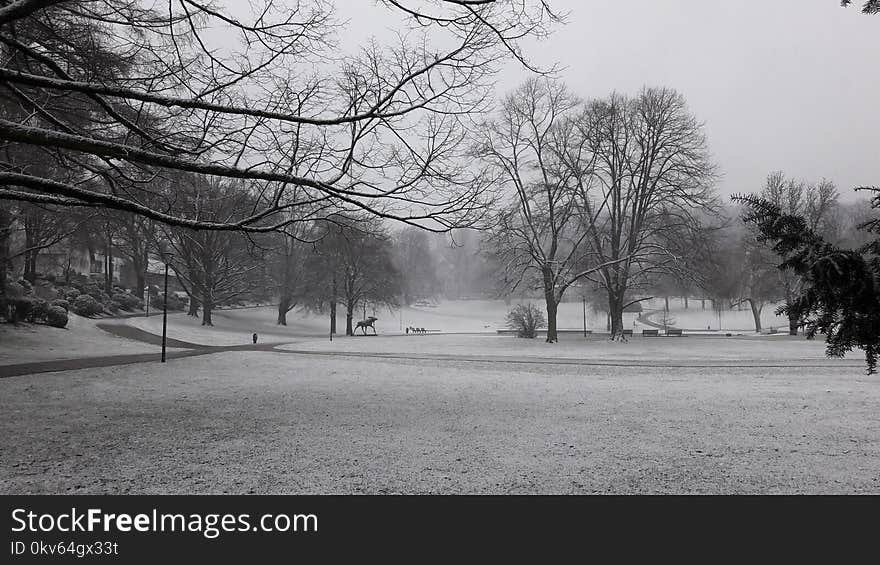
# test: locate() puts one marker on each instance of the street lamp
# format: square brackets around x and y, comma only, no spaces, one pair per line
[166,259]
[584,297]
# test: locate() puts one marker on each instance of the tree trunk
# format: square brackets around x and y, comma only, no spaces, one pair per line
[30,267]
[756,314]
[30,262]
[793,324]
[666,299]
[615,313]
[193,307]
[108,270]
[348,318]
[702,304]
[333,306]
[283,309]
[141,282]
[207,308]
[5,222]
[552,306]
[685,302]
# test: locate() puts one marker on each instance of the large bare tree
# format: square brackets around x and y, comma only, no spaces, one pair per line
[648,192]
[535,235]
[121,93]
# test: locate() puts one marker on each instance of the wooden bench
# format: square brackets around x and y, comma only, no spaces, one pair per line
[673,333]
[651,333]
[627,333]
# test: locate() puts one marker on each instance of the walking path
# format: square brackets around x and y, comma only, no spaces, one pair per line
[130,332]
[194,349]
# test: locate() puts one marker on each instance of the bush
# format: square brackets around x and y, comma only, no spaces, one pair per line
[85,305]
[26,285]
[635,307]
[39,309]
[61,303]
[126,301]
[14,290]
[56,317]
[95,292]
[526,319]
[174,303]
[113,307]
[21,307]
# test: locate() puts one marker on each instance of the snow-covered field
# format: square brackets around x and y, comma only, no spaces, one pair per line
[31,342]
[696,318]
[777,349]
[235,326]
[267,422]
[467,411]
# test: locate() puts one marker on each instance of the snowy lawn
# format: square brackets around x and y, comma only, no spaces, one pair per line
[696,318]
[235,326]
[31,342]
[261,422]
[594,348]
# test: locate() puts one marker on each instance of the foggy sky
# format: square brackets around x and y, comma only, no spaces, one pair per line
[782,84]
[791,85]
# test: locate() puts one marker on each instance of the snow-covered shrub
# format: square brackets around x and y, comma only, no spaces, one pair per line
[21,307]
[39,309]
[60,302]
[85,305]
[126,300]
[56,317]
[526,319]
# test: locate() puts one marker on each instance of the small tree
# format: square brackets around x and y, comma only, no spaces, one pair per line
[526,319]
[667,319]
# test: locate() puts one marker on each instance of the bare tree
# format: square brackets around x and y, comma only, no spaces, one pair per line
[414,260]
[535,233]
[351,264]
[214,266]
[287,270]
[648,192]
[120,93]
[816,204]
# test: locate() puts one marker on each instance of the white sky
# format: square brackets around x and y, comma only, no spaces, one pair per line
[792,85]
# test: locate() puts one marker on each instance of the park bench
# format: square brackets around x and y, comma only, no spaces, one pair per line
[650,333]
[673,333]
[627,333]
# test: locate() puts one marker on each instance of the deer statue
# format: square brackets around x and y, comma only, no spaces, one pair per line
[368,323]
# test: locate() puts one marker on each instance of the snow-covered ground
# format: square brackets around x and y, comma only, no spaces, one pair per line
[695,317]
[81,338]
[235,326]
[595,348]
[263,422]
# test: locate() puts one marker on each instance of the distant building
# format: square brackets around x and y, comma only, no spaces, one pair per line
[65,259]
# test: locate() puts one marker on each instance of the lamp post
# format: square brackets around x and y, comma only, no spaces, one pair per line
[584,298]
[165,308]
[147,293]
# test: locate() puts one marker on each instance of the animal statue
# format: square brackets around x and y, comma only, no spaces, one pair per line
[368,323]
